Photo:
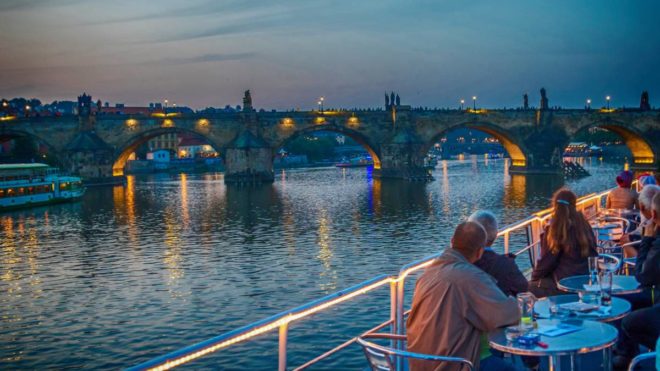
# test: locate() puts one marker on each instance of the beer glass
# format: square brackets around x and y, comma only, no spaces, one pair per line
[526,305]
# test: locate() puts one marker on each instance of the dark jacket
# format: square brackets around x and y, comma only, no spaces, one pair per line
[564,264]
[505,271]
[647,266]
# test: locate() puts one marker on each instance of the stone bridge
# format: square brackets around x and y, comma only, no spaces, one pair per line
[97,146]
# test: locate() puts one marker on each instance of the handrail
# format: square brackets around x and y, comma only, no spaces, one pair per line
[532,225]
[195,351]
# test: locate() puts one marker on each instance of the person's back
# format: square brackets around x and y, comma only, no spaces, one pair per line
[565,246]
[621,198]
[502,268]
[454,304]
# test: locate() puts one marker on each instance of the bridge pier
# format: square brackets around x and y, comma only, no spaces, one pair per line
[89,157]
[403,158]
[248,160]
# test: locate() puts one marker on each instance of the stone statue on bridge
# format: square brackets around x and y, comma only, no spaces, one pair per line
[644,104]
[398,100]
[247,101]
[525,101]
[544,100]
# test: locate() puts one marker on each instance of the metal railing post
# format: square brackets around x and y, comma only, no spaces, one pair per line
[400,326]
[284,331]
[506,243]
[393,310]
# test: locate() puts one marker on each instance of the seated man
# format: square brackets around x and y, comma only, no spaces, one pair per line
[645,197]
[647,278]
[643,325]
[456,304]
[502,267]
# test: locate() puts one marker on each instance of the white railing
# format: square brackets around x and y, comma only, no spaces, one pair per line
[532,226]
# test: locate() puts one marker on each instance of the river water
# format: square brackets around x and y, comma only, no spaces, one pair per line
[133,272]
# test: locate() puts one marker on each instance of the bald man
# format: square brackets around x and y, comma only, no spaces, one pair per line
[456,304]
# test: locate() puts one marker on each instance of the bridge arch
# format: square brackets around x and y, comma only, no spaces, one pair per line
[9,134]
[371,148]
[642,151]
[511,144]
[131,145]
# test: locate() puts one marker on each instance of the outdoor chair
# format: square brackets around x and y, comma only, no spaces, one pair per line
[645,360]
[384,358]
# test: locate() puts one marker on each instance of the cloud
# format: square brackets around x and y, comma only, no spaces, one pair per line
[204,9]
[9,5]
[206,58]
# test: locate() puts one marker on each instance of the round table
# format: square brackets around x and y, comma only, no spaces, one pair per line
[626,284]
[619,309]
[592,337]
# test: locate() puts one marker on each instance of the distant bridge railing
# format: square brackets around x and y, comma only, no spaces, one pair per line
[530,228]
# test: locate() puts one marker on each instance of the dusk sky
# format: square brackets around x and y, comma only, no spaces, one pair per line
[206,53]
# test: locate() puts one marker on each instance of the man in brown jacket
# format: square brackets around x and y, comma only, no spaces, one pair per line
[456,304]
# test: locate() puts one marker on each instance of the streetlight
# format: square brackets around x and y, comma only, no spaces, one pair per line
[607,98]
[588,103]
[321,103]
[462,103]
[474,103]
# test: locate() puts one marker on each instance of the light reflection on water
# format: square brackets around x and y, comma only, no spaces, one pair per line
[168,260]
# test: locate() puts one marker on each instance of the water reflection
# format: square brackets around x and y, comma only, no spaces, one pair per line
[172,257]
[445,187]
[515,192]
[185,215]
[329,274]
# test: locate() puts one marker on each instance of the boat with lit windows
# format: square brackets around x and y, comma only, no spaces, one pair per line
[28,185]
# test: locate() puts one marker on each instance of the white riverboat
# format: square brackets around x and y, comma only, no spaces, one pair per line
[27,185]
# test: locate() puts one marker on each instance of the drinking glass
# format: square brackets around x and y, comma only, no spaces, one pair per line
[593,269]
[605,280]
[553,306]
[526,305]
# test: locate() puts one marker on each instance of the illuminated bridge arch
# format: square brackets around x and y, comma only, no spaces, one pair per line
[514,148]
[131,145]
[356,136]
[641,149]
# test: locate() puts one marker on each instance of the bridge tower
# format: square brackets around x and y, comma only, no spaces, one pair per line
[248,157]
[87,154]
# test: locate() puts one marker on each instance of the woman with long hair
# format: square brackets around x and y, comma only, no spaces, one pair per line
[566,244]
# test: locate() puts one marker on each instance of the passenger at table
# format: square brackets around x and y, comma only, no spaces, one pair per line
[456,304]
[566,244]
[642,326]
[622,197]
[645,208]
[502,267]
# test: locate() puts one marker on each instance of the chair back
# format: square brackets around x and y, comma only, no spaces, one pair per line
[609,262]
[384,358]
[643,359]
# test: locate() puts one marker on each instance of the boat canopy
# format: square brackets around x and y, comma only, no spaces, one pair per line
[31,166]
